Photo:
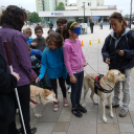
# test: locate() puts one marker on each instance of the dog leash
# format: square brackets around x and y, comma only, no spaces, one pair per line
[89,75]
[92,68]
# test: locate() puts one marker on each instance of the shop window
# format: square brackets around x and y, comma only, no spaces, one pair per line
[89,3]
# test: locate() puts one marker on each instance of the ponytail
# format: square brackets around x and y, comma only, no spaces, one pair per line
[70,25]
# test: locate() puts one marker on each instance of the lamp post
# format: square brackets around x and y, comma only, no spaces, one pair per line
[130,12]
[84,10]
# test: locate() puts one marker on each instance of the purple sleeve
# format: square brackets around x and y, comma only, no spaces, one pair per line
[23,55]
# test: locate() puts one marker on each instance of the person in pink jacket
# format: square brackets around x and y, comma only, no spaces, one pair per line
[75,63]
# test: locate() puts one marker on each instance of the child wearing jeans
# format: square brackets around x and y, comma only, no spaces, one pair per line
[53,62]
[75,63]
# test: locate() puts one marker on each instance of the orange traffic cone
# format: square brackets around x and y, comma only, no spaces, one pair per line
[82,44]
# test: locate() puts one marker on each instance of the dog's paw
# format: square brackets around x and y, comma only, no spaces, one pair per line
[104,119]
[111,115]
[96,103]
[84,105]
[38,115]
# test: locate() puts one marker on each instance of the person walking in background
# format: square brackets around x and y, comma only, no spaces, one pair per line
[53,62]
[101,24]
[51,25]
[118,53]
[12,21]
[91,26]
[75,62]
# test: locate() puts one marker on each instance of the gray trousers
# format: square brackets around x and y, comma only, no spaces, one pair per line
[125,89]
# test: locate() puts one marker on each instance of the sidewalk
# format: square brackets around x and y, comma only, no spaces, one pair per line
[63,122]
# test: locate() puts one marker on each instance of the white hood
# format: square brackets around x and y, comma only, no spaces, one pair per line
[124,33]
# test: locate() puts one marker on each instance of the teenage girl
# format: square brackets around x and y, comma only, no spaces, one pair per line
[75,63]
[53,62]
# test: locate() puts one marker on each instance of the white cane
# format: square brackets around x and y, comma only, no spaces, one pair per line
[15,89]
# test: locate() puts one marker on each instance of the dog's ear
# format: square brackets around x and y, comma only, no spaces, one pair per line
[46,92]
[111,77]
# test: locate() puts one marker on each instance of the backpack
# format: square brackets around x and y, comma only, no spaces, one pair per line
[35,62]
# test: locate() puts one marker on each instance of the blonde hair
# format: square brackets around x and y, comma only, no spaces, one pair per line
[27,30]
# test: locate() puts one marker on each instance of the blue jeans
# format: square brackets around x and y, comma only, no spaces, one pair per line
[76,89]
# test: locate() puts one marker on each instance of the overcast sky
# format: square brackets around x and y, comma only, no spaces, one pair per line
[123,5]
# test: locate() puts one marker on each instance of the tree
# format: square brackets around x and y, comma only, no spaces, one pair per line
[33,17]
[60,6]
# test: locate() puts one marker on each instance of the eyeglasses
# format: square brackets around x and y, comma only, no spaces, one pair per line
[113,16]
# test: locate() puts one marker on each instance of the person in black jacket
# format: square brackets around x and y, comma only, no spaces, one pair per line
[118,53]
[7,105]
[91,26]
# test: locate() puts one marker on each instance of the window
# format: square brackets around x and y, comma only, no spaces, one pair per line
[89,3]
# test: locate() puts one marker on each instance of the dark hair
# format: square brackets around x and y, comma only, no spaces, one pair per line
[13,16]
[119,17]
[38,28]
[62,20]
[50,30]
[65,33]
[55,37]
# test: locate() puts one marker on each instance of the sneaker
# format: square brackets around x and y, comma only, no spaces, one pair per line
[65,102]
[76,112]
[56,107]
[33,130]
[67,86]
[123,113]
[82,109]
[69,90]
[114,106]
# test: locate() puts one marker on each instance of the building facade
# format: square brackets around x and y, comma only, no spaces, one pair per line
[94,14]
[49,5]
[94,10]
[2,8]
[89,4]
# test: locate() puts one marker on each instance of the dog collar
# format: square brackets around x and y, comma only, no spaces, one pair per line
[33,102]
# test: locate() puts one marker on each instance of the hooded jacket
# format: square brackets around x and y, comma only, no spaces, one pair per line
[112,44]
[73,56]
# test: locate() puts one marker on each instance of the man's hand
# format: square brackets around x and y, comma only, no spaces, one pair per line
[107,60]
[121,53]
